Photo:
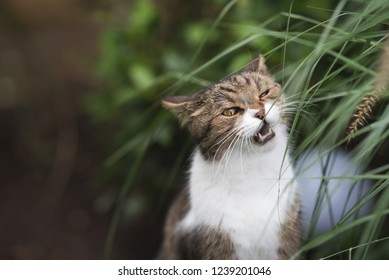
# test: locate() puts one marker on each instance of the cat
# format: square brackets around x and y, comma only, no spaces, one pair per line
[241,201]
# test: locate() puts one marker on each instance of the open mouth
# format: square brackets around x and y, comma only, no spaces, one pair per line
[264,134]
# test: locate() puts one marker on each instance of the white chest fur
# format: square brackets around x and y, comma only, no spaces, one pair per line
[248,198]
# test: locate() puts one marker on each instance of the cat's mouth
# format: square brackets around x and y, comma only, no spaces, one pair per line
[264,134]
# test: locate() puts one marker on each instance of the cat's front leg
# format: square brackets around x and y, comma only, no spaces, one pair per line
[205,243]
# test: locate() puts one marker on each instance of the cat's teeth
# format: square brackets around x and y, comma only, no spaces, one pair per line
[264,134]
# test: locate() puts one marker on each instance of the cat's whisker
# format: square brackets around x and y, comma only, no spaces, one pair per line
[251,144]
[224,161]
[303,113]
[223,141]
[291,107]
[227,154]
[234,130]
[241,155]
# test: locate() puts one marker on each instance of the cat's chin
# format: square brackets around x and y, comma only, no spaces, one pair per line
[264,134]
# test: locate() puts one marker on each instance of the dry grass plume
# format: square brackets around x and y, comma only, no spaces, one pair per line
[366,107]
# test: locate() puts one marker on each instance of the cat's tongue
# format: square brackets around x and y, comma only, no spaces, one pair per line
[264,134]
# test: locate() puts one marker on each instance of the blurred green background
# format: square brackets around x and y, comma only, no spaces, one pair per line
[90,161]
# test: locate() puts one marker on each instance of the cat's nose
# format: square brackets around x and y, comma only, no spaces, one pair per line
[260,114]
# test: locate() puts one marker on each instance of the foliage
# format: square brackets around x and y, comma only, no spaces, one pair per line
[323,54]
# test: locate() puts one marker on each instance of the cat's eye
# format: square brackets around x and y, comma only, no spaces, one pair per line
[264,94]
[230,112]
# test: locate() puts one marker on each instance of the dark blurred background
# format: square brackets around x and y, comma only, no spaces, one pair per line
[85,170]
[50,151]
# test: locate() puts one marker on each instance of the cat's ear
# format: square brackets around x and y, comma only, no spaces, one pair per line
[257,65]
[181,106]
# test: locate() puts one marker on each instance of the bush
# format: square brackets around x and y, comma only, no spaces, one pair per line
[324,56]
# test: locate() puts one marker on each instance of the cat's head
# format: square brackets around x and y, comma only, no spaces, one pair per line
[243,111]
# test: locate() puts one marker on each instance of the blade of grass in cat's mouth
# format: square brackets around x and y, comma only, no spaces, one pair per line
[264,134]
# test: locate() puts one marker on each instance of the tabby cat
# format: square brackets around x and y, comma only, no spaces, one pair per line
[241,201]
